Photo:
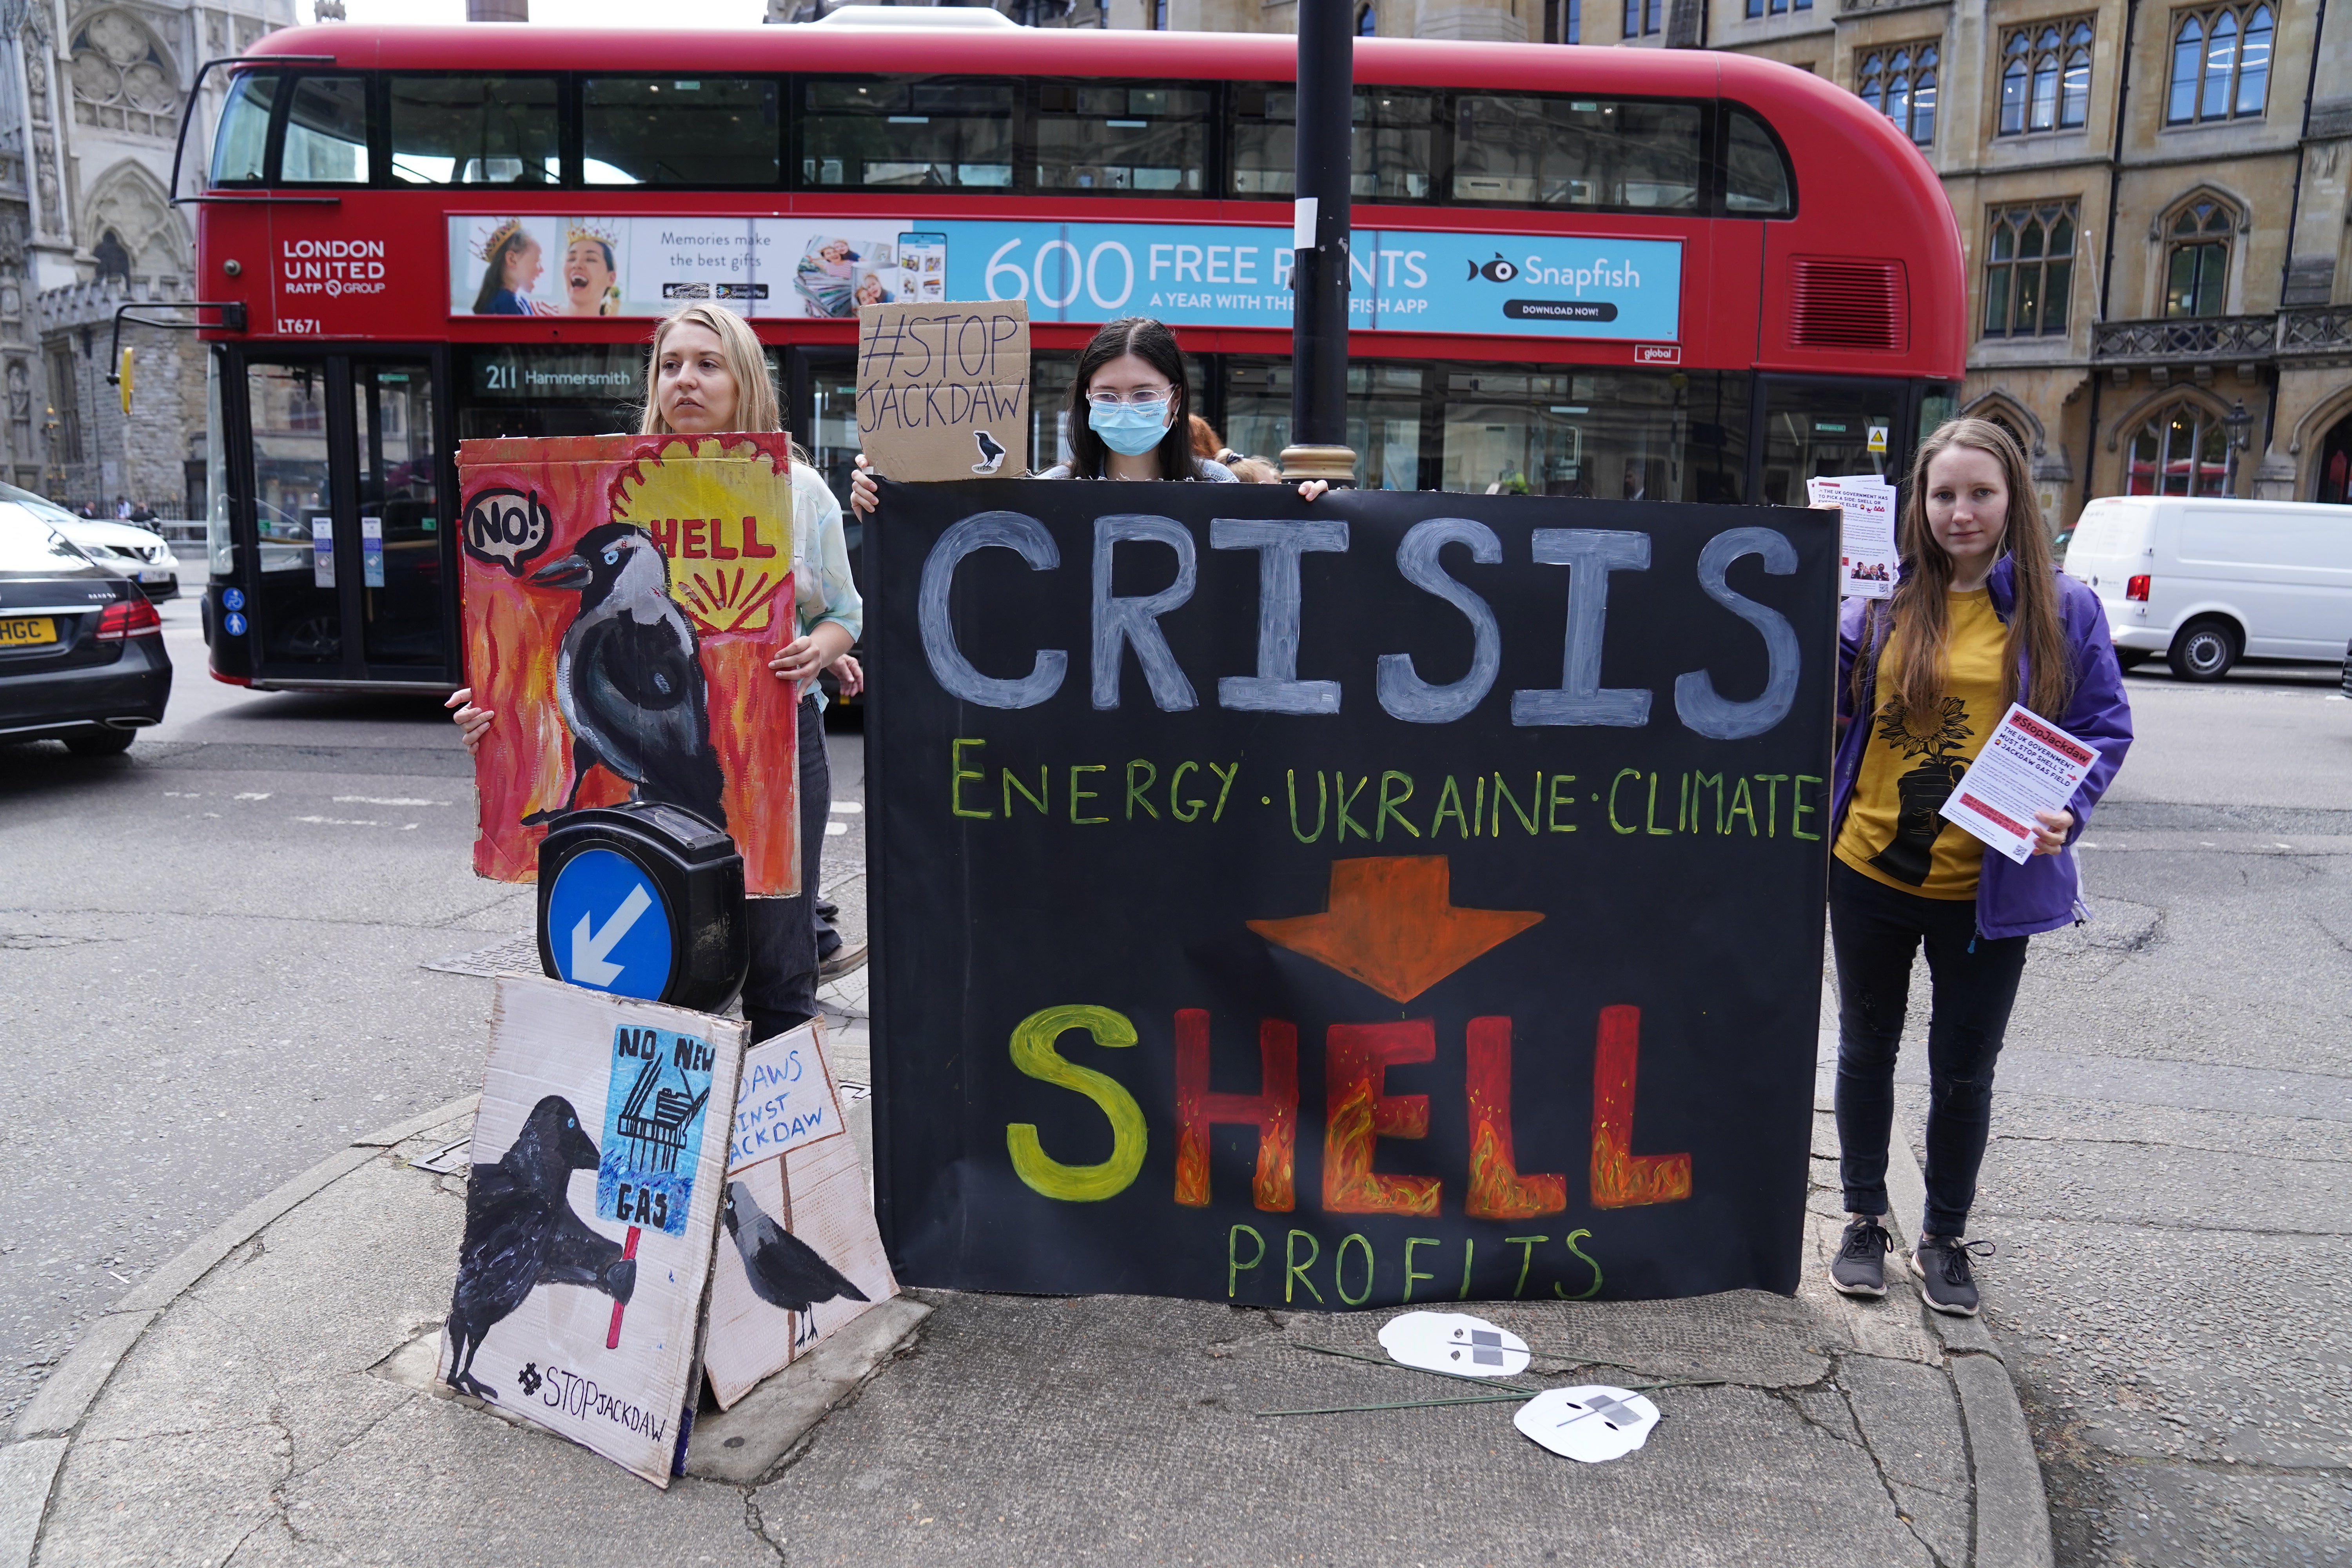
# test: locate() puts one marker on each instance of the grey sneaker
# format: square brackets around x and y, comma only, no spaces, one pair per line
[1945,1279]
[1860,1266]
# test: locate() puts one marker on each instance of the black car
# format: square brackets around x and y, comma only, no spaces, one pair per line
[81,650]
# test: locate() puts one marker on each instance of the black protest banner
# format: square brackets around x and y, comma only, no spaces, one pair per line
[1398,897]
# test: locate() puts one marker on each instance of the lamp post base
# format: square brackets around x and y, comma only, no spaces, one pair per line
[1335,464]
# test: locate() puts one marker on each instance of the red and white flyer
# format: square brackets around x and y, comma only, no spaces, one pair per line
[2029,766]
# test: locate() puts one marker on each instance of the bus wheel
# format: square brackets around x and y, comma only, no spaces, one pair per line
[2204,650]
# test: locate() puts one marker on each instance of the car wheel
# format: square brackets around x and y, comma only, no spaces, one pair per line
[100,743]
[2131,657]
[2204,650]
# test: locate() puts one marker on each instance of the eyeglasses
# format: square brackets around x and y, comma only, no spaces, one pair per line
[1107,399]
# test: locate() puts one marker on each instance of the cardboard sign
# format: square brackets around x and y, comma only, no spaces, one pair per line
[943,389]
[579,1294]
[1397,898]
[623,596]
[800,1255]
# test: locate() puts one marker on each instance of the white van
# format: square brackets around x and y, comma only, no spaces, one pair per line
[2205,582]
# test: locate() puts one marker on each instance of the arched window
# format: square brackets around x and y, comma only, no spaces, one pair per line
[1367,25]
[2029,270]
[2183,451]
[2045,77]
[2001,417]
[1901,86]
[2197,272]
[2017,65]
[2074,97]
[2220,64]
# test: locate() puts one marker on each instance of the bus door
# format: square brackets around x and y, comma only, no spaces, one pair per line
[351,572]
[1819,428]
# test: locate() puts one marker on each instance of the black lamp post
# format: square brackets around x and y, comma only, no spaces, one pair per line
[1318,278]
[2237,421]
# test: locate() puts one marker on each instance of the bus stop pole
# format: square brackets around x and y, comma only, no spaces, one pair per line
[1318,278]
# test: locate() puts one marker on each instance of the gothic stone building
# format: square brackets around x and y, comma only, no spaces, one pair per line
[90,97]
[2151,196]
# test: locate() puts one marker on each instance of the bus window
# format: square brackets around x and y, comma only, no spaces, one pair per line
[1608,435]
[1756,183]
[1828,429]
[1619,153]
[672,131]
[474,131]
[243,140]
[1384,417]
[906,132]
[1108,138]
[400,514]
[326,132]
[1392,139]
[1049,409]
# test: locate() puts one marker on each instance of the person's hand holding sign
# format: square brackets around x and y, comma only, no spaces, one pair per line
[473,722]
[2050,837]
[803,658]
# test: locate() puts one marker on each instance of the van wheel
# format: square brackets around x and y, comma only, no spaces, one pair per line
[2204,650]
[100,743]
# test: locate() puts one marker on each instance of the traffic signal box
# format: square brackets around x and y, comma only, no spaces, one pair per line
[642,900]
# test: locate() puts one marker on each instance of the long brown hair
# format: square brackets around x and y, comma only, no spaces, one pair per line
[1918,615]
[757,406]
[1155,346]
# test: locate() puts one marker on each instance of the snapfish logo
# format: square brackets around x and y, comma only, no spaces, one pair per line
[1495,271]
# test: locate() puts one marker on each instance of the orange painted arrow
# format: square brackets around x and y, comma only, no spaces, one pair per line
[1392,925]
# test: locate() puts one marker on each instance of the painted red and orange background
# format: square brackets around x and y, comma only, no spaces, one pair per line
[720,509]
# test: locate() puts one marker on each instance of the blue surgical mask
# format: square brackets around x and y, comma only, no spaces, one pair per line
[1131,430]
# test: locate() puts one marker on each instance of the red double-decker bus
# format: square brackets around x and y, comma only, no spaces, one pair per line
[1608,272]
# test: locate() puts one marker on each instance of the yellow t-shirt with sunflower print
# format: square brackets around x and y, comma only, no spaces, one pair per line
[1894,831]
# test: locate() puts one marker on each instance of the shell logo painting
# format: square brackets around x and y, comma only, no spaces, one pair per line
[623,597]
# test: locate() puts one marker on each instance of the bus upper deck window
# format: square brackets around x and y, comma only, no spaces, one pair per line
[1393,151]
[1099,137]
[1623,154]
[680,131]
[1755,179]
[326,132]
[906,131]
[243,140]
[474,131]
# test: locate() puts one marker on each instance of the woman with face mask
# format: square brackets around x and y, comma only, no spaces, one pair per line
[708,376]
[1130,417]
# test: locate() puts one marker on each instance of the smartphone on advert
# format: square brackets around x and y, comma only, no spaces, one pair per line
[923,261]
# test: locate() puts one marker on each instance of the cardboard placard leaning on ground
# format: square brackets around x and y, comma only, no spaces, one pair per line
[943,389]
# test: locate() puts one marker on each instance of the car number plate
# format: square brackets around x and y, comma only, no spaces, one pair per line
[25,631]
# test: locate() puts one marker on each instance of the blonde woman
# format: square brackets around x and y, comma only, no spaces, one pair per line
[706,376]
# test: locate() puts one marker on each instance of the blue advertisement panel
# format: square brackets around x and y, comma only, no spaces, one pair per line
[1190,275]
[1219,275]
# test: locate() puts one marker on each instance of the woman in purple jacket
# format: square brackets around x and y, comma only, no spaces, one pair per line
[1981,619]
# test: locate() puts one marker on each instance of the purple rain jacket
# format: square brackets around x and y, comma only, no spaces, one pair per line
[2045,892]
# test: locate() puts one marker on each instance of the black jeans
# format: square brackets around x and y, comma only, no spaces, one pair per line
[780,991]
[1875,929]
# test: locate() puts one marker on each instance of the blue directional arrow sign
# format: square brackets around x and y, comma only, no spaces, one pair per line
[608,926]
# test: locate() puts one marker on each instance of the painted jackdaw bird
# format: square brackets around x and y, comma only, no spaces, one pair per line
[784,1271]
[521,1233]
[628,677]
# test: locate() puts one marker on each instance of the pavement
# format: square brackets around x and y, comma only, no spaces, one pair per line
[206,937]
[267,1397]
